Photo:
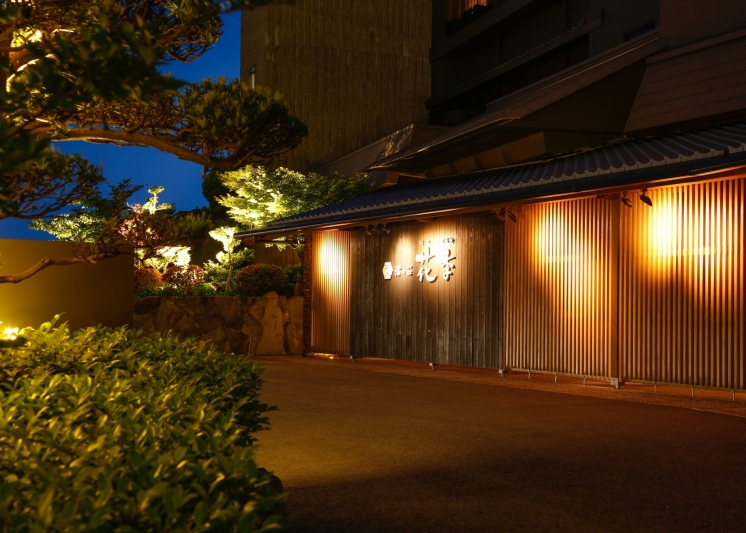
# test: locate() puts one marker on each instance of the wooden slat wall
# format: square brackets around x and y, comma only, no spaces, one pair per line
[330,293]
[454,322]
[559,316]
[682,286]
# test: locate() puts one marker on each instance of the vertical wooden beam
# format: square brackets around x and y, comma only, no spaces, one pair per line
[614,292]
[307,292]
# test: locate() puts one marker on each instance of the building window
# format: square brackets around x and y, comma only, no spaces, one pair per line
[459,13]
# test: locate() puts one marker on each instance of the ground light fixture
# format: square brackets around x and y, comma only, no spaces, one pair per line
[645,198]
[626,201]
[512,216]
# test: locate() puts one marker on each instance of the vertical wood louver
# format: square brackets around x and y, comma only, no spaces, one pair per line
[558,314]
[330,300]
[682,286]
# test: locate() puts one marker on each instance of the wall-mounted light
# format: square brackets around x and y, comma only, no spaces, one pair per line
[645,198]
[511,215]
[384,229]
[367,231]
[626,201]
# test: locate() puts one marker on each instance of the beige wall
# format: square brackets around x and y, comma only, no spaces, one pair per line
[352,71]
[87,294]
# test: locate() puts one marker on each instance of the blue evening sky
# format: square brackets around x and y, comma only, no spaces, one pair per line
[148,166]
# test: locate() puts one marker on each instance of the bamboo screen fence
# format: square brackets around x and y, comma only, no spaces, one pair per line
[558,314]
[682,285]
[330,297]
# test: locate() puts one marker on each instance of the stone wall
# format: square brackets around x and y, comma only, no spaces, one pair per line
[270,325]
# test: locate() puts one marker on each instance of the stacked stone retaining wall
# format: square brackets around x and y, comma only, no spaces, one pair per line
[270,325]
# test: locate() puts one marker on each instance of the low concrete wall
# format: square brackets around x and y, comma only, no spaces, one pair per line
[86,294]
[270,325]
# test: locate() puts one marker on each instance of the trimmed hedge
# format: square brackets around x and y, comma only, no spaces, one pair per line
[103,431]
[147,279]
[258,280]
[184,278]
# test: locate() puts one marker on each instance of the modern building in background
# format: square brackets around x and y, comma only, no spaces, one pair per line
[578,206]
[354,72]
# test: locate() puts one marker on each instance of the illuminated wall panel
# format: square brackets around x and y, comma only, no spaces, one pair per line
[558,299]
[330,292]
[456,319]
[682,285]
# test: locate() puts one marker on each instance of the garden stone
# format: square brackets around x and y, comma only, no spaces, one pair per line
[146,305]
[143,322]
[220,337]
[272,341]
[228,307]
[211,320]
[257,310]
[187,326]
[166,316]
[252,330]
[293,339]
[295,311]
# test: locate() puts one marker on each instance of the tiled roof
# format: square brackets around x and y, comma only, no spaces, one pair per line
[609,159]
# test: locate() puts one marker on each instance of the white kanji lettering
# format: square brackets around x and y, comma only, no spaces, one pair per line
[410,270]
[424,273]
[448,267]
[397,270]
[424,258]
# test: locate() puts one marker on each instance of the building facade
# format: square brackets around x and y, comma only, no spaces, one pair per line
[589,223]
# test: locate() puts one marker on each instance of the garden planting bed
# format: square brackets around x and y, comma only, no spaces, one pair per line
[268,325]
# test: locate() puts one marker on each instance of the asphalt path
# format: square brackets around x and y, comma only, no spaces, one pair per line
[362,451]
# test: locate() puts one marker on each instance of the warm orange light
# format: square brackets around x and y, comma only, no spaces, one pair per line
[563,257]
[332,261]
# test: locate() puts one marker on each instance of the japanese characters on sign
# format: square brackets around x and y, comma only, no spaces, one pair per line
[427,261]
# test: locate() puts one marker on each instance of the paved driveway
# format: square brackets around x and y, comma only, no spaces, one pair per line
[363,451]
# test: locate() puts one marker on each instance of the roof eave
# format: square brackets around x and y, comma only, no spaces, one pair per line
[606,183]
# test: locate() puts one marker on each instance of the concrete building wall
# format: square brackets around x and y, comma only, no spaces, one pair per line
[86,294]
[352,71]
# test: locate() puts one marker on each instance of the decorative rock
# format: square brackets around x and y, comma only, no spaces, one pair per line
[270,325]
[148,304]
[143,322]
[211,320]
[187,326]
[220,337]
[272,341]
[293,339]
[295,311]
[252,330]
[166,315]
[228,307]
[257,310]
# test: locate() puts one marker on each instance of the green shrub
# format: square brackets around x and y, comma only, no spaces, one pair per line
[294,273]
[103,431]
[147,279]
[258,280]
[184,278]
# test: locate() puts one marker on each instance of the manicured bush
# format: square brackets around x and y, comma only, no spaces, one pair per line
[147,280]
[257,280]
[103,431]
[184,278]
[294,273]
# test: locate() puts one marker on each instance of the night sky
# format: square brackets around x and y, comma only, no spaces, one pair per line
[148,166]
